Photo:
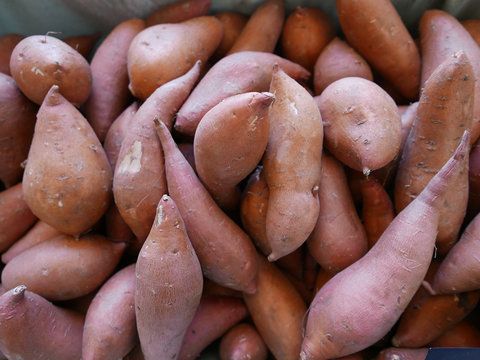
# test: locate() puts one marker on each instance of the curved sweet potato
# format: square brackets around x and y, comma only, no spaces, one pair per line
[64,268]
[178,11]
[82,43]
[233,24]
[461,335]
[473,28]
[7,44]
[403,354]
[243,342]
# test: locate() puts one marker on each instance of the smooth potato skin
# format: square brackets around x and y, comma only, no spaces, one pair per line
[338,60]
[473,28]
[164,52]
[338,239]
[17,122]
[233,24]
[38,62]
[403,354]
[7,44]
[461,335]
[110,330]
[376,31]
[110,93]
[82,43]
[15,216]
[243,342]
[178,12]
[64,268]
[47,331]
[362,124]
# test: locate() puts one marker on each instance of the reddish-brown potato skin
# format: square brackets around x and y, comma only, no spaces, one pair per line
[441,36]
[231,263]
[233,24]
[110,331]
[474,180]
[178,11]
[322,278]
[67,181]
[38,62]
[110,94]
[213,289]
[230,142]
[472,26]
[17,122]
[243,342]
[263,28]
[461,335]
[249,71]
[38,233]
[277,310]
[362,124]
[376,31]
[15,216]
[400,258]
[305,34]
[169,284]
[82,43]
[338,239]
[139,180]
[64,268]
[443,114]
[402,354]
[337,61]
[164,52]
[214,316]
[7,44]
[33,328]
[80,304]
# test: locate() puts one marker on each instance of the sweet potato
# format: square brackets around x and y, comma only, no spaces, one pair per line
[233,24]
[40,232]
[277,310]
[377,32]
[403,354]
[80,304]
[362,123]
[67,181]
[178,11]
[82,43]
[64,268]
[7,44]
[139,179]
[230,263]
[306,33]
[292,165]
[214,316]
[461,335]
[17,121]
[444,112]
[162,53]
[165,304]
[322,278]
[473,28]
[38,62]
[15,216]
[338,327]
[263,28]
[213,289]
[110,331]
[337,61]
[33,328]
[442,36]
[234,74]
[243,342]
[230,142]
[338,239]
[110,93]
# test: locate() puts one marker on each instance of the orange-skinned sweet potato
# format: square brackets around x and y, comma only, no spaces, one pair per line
[178,11]
[461,335]
[243,342]
[82,43]
[473,28]
[7,44]
[233,24]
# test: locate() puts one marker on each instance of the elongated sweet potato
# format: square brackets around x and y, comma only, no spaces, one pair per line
[178,11]
[292,165]
[277,310]
[473,28]
[403,354]
[230,142]
[110,93]
[15,216]
[234,74]
[162,53]
[214,316]
[362,123]
[461,335]
[400,257]
[444,112]
[139,179]
[233,24]
[339,238]
[82,43]
[17,122]
[376,31]
[33,328]
[165,305]
[110,331]
[306,32]
[7,44]
[243,342]
[64,268]
[67,180]
[337,61]
[263,29]
[231,263]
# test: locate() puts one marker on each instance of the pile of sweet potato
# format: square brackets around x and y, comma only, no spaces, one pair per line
[187,184]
